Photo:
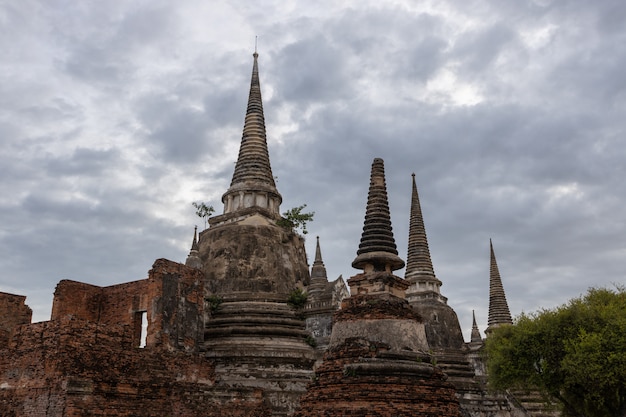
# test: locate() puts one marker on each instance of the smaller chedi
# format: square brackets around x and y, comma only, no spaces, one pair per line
[323,299]
[377,362]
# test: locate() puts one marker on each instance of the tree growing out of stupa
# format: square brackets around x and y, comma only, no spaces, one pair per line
[203,211]
[294,218]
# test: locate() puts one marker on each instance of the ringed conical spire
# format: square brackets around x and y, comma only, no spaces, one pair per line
[318,270]
[378,246]
[253,183]
[193,259]
[475,337]
[419,268]
[418,260]
[499,313]
[194,243]
[319,277]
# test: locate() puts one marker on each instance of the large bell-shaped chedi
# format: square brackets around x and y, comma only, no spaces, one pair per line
[377,362]
[251,266]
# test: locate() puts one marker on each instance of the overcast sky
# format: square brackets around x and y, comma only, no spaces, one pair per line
[116,115]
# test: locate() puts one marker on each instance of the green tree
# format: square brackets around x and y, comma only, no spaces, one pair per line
[295,219]
[575,354]
[202,210]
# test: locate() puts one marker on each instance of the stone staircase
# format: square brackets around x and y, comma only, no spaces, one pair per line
[533,404]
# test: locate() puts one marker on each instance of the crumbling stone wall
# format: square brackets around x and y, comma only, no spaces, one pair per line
[77,299]
[172,297]
[176,305]
[13,312]
[72,367]
[86,360]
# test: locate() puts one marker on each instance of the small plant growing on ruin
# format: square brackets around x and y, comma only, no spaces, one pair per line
[214,302]
[433,358]
[310,340]
[297,298]
[294,218]
[203,211]
[424,357]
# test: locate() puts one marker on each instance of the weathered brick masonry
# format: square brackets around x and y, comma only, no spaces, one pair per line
[172,297]
[86,360]
[73,367]
[356,379]
[13,312]
[363,377]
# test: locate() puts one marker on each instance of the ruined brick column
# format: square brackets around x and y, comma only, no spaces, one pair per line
[13,313]
[377,363]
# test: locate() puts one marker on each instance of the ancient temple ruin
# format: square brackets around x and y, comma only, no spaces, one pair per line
[221,335]
[377,361]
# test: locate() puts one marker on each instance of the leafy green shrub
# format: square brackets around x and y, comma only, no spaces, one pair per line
[310,340]
[214,302]
[297,298]
[295,219]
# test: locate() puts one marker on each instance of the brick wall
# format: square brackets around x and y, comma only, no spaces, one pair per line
[72,367]
[176,305]
[172,297]
[13,312]
[86,361]
[76,299]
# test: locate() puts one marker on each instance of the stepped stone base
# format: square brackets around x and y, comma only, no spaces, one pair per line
[360,378]
[260,346]
[533,404]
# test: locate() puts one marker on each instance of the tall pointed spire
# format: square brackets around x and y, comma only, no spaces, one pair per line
[194,243]
[499,313]
[418,260]
[193,259]
[319,278]
[475,337]
[419,268]
[253,184]
[378,246]
[318,270]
